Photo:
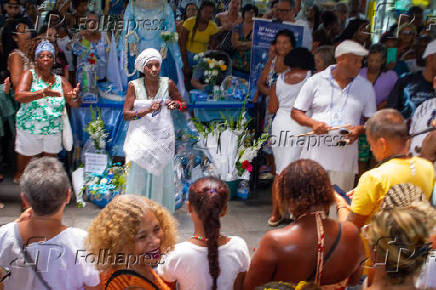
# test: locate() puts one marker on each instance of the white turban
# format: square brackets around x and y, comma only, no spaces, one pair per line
[145,56]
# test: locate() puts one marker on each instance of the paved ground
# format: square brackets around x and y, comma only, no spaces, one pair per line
[247,219]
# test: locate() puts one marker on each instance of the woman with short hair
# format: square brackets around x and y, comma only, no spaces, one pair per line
[399,241]
[285,129]
[314,247]
[43,96]
[324,56]
[40,233]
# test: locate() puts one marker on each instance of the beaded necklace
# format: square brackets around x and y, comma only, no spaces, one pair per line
[201,238]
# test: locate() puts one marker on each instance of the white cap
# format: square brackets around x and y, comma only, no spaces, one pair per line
[430,49]
[350,47]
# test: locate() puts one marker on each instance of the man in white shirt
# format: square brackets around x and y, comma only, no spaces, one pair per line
[337,96]
[286,11]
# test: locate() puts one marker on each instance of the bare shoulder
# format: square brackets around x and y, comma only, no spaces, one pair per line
[350,231]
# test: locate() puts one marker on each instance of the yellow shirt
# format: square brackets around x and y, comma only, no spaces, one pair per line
[200,43]
[375,183]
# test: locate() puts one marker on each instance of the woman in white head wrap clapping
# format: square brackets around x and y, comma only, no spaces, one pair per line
[150,140]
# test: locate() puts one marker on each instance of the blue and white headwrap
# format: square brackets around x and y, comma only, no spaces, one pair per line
[45,45]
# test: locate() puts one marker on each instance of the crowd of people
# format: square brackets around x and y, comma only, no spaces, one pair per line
[360,196]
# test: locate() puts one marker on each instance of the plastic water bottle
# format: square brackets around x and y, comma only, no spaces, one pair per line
[244,189]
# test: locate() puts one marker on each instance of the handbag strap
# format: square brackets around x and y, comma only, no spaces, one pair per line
[29,259]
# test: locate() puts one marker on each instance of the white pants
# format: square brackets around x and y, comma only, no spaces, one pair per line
[33,144]
[345,180]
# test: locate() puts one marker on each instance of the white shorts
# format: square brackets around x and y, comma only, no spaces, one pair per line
[33,144]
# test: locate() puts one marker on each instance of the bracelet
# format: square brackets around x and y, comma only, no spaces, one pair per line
[180,106]
[136,115]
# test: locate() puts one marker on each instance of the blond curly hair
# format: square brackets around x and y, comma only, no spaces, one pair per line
[116,225]
[401,235]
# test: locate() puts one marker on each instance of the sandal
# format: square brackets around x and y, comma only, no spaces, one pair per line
[2,205]
[276,223]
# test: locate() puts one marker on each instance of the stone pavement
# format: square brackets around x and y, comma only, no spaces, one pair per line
[247,219]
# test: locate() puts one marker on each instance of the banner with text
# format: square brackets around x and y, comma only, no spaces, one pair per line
[264,32]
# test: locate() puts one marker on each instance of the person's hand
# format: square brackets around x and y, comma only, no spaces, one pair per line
[172,105]
[25,216]
[50,93]
[155,106]
[320,128]
[340,201]
[6,85]
[354,134]
[272,51]
[74,94]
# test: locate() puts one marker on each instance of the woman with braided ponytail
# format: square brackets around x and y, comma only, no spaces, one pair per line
[208,260]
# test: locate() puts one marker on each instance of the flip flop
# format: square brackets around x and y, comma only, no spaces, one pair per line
[2,205]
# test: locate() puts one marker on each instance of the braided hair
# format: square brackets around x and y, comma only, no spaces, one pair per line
[209,196]
[197,18]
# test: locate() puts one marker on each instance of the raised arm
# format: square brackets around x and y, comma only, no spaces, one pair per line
[16,65]
[71,95]
[261,83]
[129,113]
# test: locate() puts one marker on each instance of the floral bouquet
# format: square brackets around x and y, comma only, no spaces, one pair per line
[246,153]
[102,188]
[167,37]
[230,146]
[212,68]
[97,131]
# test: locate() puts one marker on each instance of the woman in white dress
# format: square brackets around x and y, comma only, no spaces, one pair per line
[285,129]
[150,140]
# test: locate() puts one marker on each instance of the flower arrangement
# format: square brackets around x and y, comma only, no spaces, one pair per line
[102,188]
[231,145]
[167,37]
[97,131]
[211,67]
[247,151]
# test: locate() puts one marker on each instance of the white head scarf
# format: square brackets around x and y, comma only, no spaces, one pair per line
[145,56]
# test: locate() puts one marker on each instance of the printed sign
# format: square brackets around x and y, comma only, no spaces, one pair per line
[264,32]
[95,163]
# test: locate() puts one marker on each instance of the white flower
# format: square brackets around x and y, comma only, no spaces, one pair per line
[206,81]
[104,181]
[211,65]
[196,57]
[206,73]
[221,62]
[214,73]
[201,54]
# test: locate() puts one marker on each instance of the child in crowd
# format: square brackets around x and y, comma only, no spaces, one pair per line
[208,260]
[133,232]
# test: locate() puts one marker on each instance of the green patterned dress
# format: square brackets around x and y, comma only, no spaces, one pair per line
[42,116]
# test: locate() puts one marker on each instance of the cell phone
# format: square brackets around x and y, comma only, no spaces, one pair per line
[342,193]
[391,55]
